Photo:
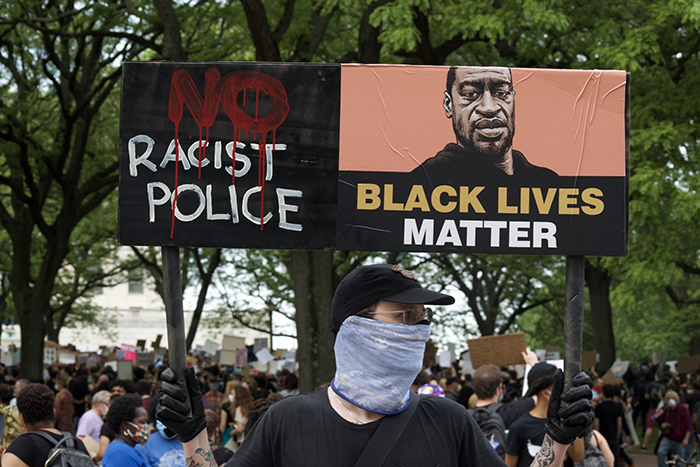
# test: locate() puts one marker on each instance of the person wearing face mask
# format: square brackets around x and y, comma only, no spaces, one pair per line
[527,435]
[382,326]
[91,421]
[129,421]
[675,425]
[163,448]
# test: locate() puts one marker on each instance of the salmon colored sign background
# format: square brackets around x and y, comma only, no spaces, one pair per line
[571,121]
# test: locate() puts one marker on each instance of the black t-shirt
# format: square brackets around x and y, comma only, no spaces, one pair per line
[607,412]
[306,431]
[512,411]
[527,430]
[107,431]
[78,387]
[34,449]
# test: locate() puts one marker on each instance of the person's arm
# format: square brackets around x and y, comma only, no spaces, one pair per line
[601,443]
[576,450]
[10,460]
[104,442]
[512,461]
[551,454]
[198,453]
[223,415]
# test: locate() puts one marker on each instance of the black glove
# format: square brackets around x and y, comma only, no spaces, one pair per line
[172,407]
[567,423]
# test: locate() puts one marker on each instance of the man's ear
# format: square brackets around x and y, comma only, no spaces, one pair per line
[447,105]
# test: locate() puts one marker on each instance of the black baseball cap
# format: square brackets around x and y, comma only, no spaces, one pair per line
[537,372]
[369,284]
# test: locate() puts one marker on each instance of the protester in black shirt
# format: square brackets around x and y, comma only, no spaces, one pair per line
[30,449]
[608,420]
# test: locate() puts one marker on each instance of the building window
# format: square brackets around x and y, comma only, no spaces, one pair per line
[136,281]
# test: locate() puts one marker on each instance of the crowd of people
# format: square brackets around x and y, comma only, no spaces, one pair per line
[112,420]
[119,414]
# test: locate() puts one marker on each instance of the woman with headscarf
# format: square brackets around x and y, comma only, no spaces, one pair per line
[129,421]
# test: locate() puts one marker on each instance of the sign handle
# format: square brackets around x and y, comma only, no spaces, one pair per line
[573,318]
[174,315]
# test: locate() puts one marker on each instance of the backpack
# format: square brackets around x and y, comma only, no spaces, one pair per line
[13,427]
[492,425]
[65,452]
[592,457]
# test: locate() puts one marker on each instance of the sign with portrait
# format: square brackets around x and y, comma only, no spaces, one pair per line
[374,157]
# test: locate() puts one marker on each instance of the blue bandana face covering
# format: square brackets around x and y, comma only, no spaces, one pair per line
[377,362]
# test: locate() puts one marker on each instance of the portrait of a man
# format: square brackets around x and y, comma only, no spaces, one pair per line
[481,104]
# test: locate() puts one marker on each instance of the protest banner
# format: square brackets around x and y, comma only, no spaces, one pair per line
[501,350]
[687,365]
[589,360]
[313,156]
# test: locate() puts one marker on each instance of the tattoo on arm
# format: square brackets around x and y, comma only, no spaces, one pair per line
[546,456]
[201,458]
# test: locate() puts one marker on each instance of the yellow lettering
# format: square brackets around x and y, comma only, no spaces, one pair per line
[566,200]
[524,200]
[467,198]
[417,199]
[389,204]
[590,196]
[544,205]
[368,196]
[437,203]
[503,207]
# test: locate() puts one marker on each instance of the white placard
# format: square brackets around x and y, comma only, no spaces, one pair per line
[446,359]
[264,356]
[66,358]
[211,347]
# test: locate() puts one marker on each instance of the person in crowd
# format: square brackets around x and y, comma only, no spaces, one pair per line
[143,389]
[31,449]
[80,388]
[10,426]
[608,420]
[527,435]
[121,387]
[91,422]
[239,411]
[63,404]
[489,388]
[452,387]
[250,384]
[214,396]
[595,446]
[675,424]
[128,420]
[382,328]
[162,449]
[212,428]
[19,384]
[466,392]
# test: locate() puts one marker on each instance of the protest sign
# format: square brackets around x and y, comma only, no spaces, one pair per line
[319,156]
[687,365]
[589,359]
[501,350]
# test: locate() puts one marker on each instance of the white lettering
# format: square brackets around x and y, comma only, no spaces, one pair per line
[171,156]
[495,227]
[246,211]
[152,202]
[282,194]
[516,232]
[200,208]
[449,233]
[471,227]
[194,160]
[413,236]
[544,231]
[210,215]
[143,158]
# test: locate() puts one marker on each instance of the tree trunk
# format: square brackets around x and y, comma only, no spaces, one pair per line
[598,280]
[312,274]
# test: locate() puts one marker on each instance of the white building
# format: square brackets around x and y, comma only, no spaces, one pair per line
[132,311]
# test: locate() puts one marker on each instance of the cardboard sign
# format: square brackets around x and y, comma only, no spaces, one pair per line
[687,365]
[259,343]
[315,156]
[241,357]
[589,359]
[610,378]
[124,369]
[227,357]
[145,358]
[502,350]
[232,342]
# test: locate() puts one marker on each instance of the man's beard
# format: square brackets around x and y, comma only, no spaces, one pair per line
[493,150]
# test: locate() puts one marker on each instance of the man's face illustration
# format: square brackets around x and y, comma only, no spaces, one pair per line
[482,108]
